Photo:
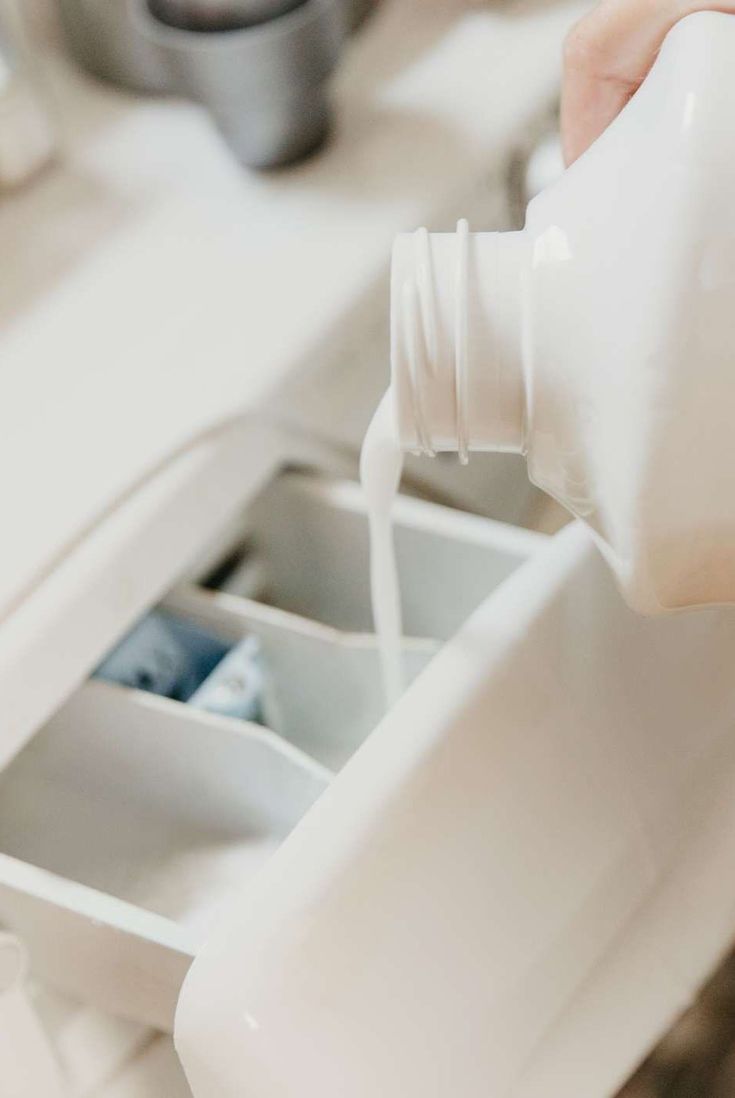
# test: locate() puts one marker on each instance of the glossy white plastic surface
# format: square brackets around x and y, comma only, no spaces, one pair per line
[516,883]
[600,338]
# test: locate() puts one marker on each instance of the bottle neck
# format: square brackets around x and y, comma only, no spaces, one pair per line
[457,340]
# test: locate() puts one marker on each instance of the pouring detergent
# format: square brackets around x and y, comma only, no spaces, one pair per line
[599,341]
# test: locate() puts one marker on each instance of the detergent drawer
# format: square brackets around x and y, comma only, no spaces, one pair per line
[124,825]
[130,821]
[524,871]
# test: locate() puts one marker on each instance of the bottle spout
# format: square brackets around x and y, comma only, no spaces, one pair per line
[457,321]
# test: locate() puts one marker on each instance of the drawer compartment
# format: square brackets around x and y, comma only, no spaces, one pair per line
[324,687]
[125,825]
[306,550]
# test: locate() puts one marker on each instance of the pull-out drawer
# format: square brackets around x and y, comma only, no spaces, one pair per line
[125,825]
[304,548]
[130,821]
[520,880]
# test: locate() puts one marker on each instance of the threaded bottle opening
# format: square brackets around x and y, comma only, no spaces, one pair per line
[456,334]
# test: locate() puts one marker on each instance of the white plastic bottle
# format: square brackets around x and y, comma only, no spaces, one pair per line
[600,340]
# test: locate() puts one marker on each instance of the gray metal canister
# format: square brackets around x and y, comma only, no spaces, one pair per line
[261,67]
[265,84]
[105,40]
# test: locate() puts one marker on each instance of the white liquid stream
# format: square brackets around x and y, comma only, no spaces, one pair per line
[381,465]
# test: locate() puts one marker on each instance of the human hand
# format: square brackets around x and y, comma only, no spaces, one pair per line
[607,55]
